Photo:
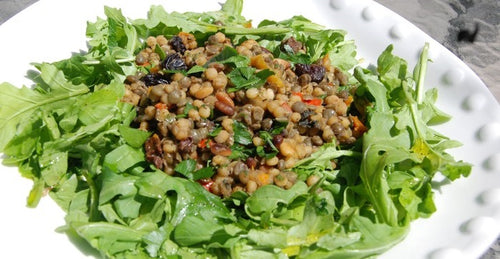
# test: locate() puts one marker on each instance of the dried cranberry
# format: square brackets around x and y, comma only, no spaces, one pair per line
[301,69]
[317,72]
[155,79]
[174,62]
[177,44]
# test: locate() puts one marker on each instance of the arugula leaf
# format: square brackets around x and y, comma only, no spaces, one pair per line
[21,103]
[399,137]
[193,230]
[188,169]
[133,137]
[123,158]
[321,160]
[271,204]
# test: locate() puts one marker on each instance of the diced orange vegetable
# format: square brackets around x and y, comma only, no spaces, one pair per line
[326,60]
[258,62]
[275,81]
[160,106]
[263,178]
[358,127]
[349,100]
[155,69]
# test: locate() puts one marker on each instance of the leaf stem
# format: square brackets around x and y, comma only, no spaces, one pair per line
[97,62]
[420,76]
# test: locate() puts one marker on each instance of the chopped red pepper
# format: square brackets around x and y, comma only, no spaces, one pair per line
[314,101]
[206,183]
[205,143]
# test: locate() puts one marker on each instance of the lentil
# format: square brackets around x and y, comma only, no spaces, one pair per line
[183,111]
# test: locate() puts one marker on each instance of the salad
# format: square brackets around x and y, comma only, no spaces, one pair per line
[199,135]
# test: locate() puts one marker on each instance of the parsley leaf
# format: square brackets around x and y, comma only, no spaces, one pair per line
[241,134]
[245,77]
[187,108]
[278,126]
[269,150]
[231,57]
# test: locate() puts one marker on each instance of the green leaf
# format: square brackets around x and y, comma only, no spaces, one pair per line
[116,185]
[195,69]
[185,111]
[268,139]
[231,57]
[53,166]
[21,103]
[245,78]
[193,230]
[134,137]
[267,198]
[455,170]
[99,234]
[127,207]
[272,237]
[65,193]
[393,70]
[233,7]
[186,167]
[241,134]
[97,106]
[203,173]
[334,241]
[321,160]
[123,158]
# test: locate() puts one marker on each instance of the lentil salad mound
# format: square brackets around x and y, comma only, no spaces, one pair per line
[237,110]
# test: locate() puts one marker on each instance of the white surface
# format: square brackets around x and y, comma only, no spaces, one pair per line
[468,211]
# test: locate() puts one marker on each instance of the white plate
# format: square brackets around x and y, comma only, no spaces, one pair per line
[468,216]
